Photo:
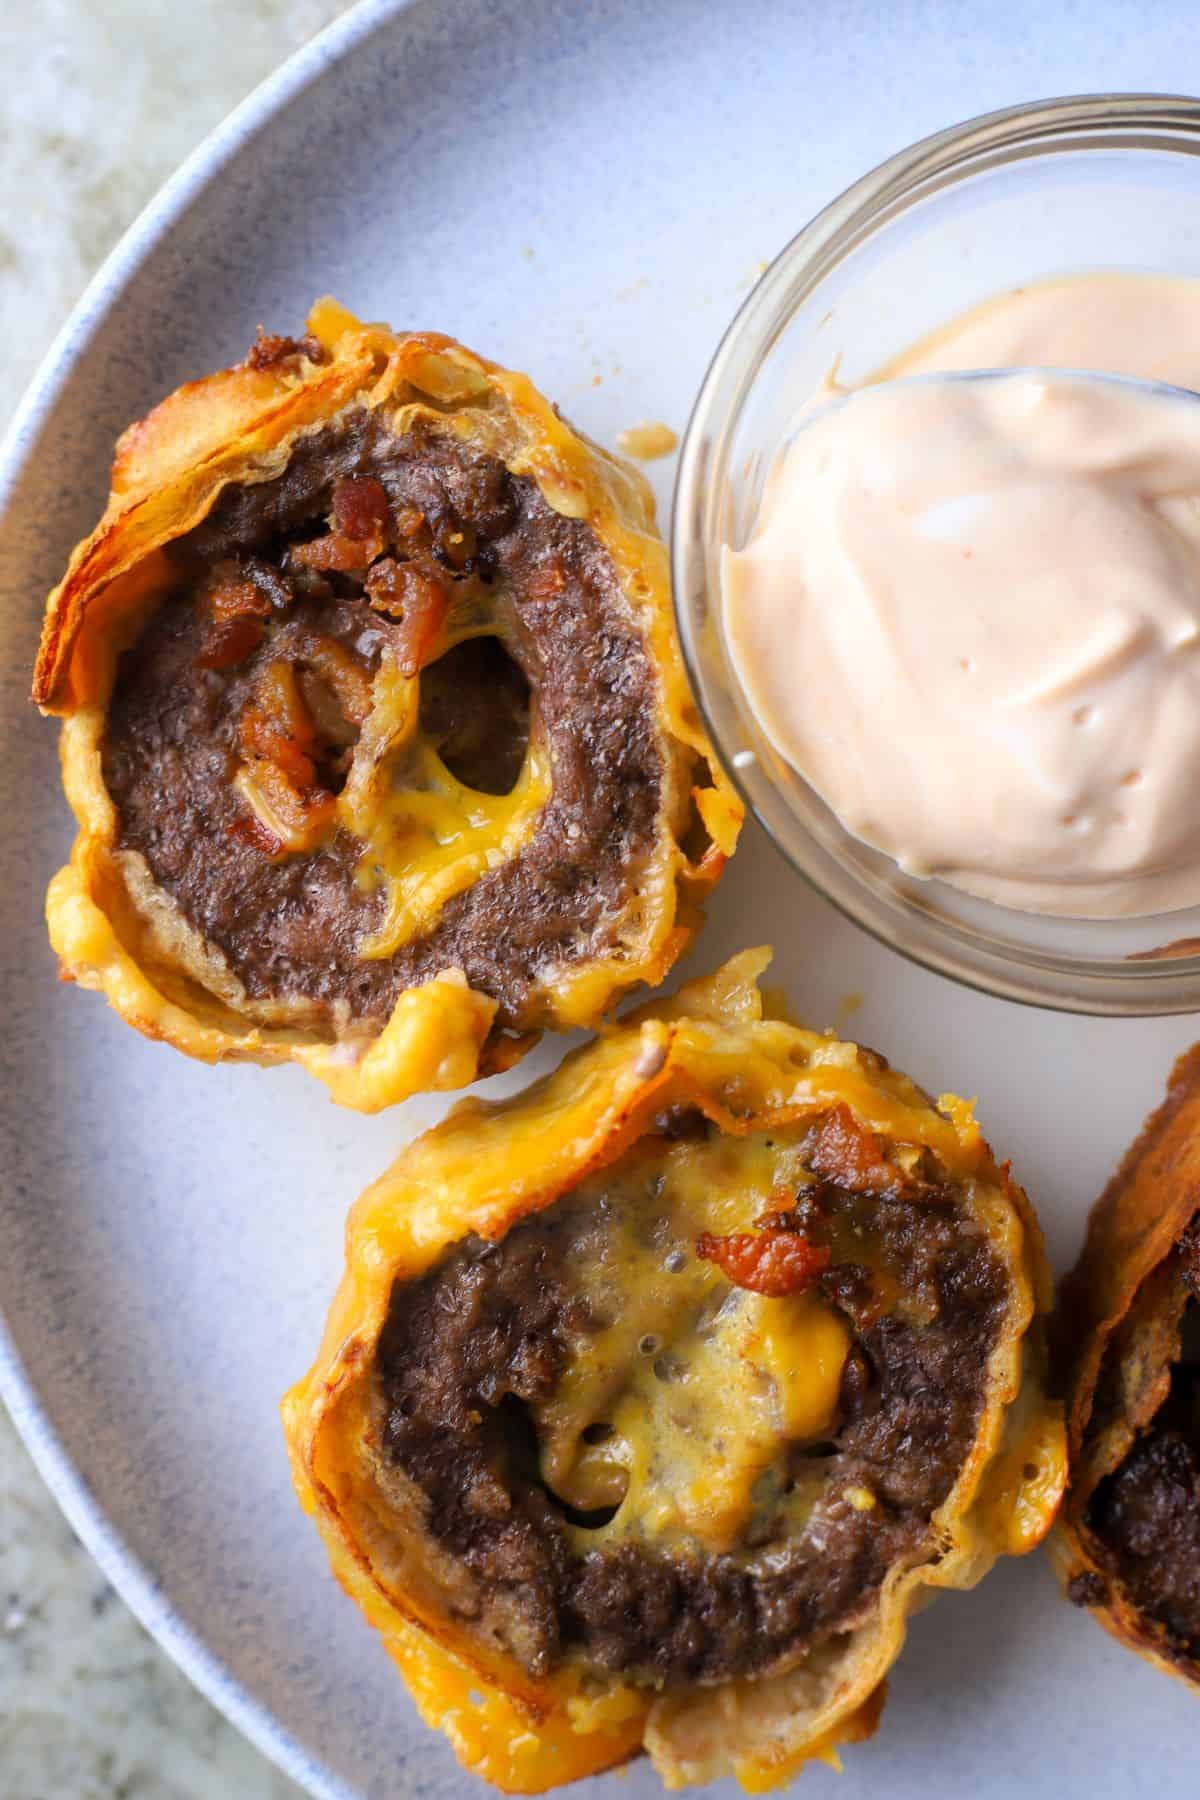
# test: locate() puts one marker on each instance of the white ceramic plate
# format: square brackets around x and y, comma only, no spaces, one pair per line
[585,190]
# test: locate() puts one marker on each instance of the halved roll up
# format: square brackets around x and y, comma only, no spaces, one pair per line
[653,1399]
[1129,1329]
[375,723]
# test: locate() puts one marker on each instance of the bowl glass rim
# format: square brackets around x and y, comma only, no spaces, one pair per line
[1052,979]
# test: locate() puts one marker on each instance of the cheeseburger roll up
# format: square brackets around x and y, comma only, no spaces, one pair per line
[654,1399]
[1129,1323]
[374,721]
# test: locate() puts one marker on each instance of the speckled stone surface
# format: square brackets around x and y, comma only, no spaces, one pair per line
[90,1707]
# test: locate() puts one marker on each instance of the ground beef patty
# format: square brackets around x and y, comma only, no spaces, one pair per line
[1146,1514]
[473,1351]
[290,926]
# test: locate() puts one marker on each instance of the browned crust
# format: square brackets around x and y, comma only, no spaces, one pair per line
[238,425]
[184,438]
[488,1166]
[1118,1316]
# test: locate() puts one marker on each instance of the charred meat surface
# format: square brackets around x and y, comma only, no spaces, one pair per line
[295,588]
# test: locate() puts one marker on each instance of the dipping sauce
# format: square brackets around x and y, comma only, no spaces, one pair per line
[1144,325]
[969,614]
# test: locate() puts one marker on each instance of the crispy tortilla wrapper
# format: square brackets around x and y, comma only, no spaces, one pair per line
[116,930]
[712,1051]
[1117,1338]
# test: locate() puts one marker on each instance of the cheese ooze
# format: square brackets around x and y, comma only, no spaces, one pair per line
[680,1411]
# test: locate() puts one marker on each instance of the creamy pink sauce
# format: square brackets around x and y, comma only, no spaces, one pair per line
[970,615]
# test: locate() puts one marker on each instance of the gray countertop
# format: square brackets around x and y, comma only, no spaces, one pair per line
[111,95]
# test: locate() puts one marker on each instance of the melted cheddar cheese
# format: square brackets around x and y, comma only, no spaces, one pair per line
[426,838]
[769,1369]
[426,835]
[680,1411]
[435,837]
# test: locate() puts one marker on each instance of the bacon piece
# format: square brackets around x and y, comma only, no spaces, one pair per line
[418,601]
[845,1152]
[334,552]
[360,508]
[237,606]
[278,727]
[229,641]
[249,829]
[361,524]
[297,715]
[269,350]
[772,1262]
[237,597]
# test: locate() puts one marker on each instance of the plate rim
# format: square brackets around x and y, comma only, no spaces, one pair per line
[82,1509]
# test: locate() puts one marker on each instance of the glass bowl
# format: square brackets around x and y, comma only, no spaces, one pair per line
[1106,181]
